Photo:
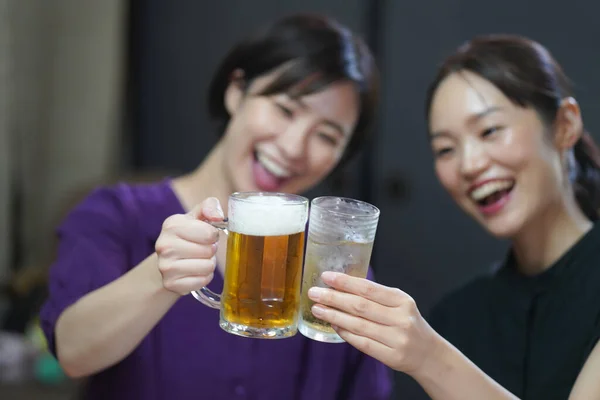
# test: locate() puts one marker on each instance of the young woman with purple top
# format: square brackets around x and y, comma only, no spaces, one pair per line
[510,148]
[291,102]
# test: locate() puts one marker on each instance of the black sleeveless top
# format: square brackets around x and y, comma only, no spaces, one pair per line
[532,334]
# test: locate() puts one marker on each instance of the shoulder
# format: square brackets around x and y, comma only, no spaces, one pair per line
[121,204]
[125,196]
[463,301]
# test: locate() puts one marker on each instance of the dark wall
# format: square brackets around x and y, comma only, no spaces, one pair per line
[424,244]
[175,48]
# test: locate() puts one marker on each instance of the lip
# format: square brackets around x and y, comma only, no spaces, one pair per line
[492,209]
[275,160]
[485,181]
[496,207]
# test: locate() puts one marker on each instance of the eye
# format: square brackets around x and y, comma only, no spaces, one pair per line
[327,138]
[489,131]
[286,111]
[444,151]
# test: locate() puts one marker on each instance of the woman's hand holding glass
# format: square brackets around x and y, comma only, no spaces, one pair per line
[380,321]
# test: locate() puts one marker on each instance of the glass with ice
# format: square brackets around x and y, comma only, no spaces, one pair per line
[341,232]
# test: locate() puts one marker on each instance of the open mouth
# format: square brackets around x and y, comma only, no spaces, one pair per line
[491,196]
[271,166]
[269,175]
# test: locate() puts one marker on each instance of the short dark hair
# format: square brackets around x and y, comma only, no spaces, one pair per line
[319,51]
[529,76]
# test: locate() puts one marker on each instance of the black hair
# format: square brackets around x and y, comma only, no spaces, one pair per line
[314,51]
[529,76]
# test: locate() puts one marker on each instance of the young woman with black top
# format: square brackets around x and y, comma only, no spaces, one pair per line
[510,148]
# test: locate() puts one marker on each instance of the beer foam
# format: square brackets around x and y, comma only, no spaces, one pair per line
[267,216]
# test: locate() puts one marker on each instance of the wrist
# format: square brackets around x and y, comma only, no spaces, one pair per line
[436,361]
[154,279]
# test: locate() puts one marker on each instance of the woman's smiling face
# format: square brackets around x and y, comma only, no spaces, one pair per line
[281,144]
[499,161]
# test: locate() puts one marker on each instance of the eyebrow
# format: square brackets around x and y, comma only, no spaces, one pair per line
[437,135]
[470,121]
[490,110]
[328,122]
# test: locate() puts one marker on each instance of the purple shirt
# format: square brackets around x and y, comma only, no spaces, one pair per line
[187,355]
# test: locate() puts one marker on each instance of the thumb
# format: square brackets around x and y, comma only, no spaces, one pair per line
[209,210]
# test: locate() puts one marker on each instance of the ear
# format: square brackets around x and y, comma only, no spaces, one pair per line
[234,93]
[569,125]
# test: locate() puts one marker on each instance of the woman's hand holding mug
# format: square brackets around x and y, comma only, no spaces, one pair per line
[187,247]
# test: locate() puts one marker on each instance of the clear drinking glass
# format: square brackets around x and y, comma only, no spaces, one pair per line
[265,251]
[341,232]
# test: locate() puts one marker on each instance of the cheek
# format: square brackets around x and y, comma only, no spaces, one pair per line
[257,122]
[531,162]
[448,176]
[323,157]
[514,158]
[519,148]
[259,126]
[541,173]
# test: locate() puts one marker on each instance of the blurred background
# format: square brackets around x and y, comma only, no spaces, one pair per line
[93,92]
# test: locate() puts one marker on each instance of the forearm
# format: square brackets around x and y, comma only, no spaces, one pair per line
[449,375]
[107,324]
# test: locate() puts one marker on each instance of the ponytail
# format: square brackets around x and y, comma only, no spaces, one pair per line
[586,182]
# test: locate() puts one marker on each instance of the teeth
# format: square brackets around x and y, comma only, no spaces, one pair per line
[487,189]
[272,167]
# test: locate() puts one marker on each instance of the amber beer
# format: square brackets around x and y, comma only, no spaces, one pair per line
[263,273]
[262,279]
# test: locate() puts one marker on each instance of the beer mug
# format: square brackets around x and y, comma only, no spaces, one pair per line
[341,233]
[263,272]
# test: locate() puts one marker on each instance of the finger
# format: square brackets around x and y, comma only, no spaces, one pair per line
[352,304]
[180,269]
[359,326]
[188,228]
[368,346]
[209,210]
[188,250]
[384,295]
[178,249]
[185,285]
[198,232]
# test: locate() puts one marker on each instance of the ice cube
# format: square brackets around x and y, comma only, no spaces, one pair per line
[355,237]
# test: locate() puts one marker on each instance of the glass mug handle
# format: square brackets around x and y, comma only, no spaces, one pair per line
[205,295]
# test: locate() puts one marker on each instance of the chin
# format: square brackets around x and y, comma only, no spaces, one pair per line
[244,184]
[501,232]
[503,227]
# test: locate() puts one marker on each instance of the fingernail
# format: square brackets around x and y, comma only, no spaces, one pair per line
[318,311]
[315,292]
[328,275]
[220,210]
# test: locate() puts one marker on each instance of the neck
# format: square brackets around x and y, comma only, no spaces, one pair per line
[554,232]
[208,180]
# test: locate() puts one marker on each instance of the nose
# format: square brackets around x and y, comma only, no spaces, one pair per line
[293,142]
[474,160]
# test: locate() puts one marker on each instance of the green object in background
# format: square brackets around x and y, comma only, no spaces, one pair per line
[36,336]
[47,370]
